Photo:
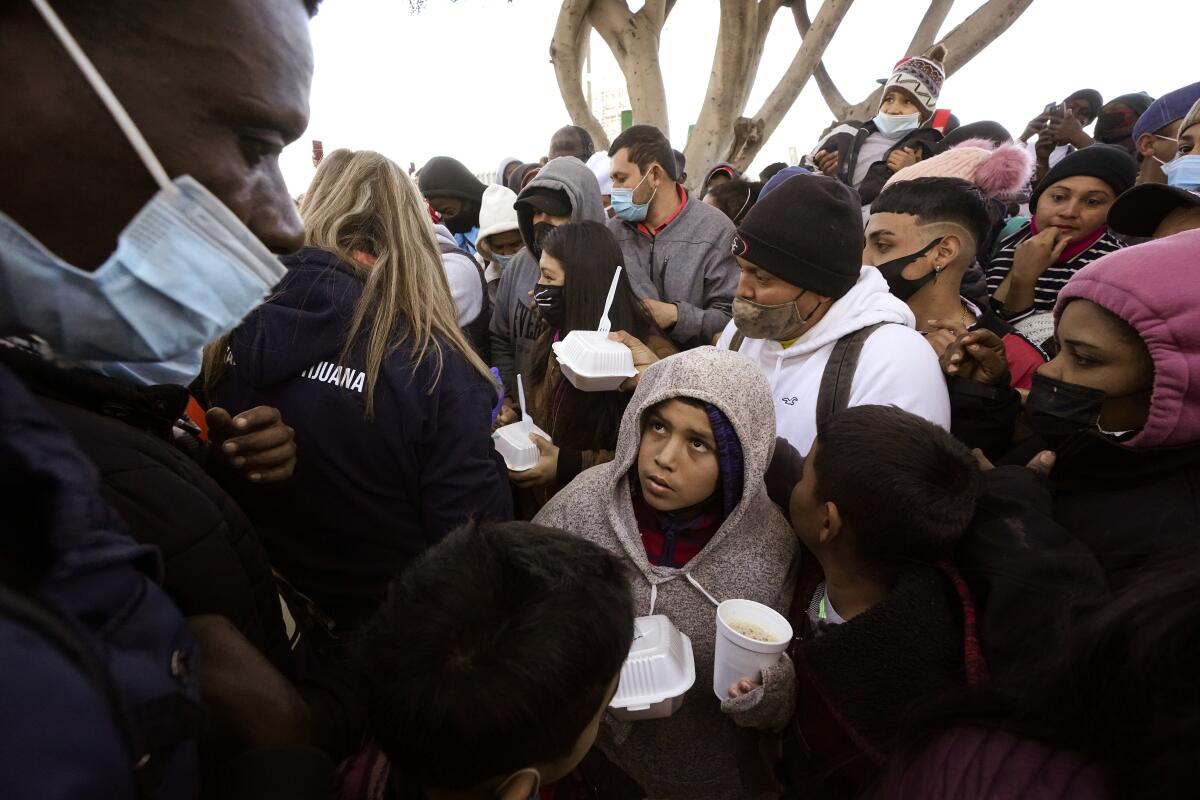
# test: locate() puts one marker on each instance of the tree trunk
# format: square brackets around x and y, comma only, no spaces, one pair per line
[740,41]
[570,35]
[777,104]
[633,40]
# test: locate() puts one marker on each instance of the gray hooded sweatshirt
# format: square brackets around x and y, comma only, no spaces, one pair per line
[690,263]
[694,754]
[515,325]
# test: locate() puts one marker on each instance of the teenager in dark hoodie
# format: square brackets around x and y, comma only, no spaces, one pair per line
[565,190]
[360,344]
[882,618]
[456,195]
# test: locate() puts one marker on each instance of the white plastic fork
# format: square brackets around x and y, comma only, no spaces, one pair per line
[525,420]
[605,325]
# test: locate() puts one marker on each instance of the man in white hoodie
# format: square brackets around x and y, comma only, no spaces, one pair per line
[824,328]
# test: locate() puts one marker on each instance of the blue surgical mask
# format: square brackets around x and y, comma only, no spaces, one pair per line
[1183,172]
[892,124]
[502,262]
[624,207]
[186,270]
[179,372]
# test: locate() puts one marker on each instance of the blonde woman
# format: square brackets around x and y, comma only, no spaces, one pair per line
[361,351]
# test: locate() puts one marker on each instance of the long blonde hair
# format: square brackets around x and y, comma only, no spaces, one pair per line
[366,204]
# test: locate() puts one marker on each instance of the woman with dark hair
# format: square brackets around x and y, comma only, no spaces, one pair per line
[1036,257]
[734,198]
[577,265]
[1118,406]
[1116,713]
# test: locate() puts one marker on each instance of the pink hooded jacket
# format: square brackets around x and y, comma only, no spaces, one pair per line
[1155,287]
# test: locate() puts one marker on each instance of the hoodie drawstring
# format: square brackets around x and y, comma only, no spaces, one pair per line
[692,581]
[775,374]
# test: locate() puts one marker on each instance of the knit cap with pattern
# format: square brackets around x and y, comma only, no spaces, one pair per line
[921,78]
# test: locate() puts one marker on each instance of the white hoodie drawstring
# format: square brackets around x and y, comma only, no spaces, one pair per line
[692,581]
[703,591]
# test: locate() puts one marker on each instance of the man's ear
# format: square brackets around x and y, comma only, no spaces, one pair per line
[948,250]
[519,786]
[1145,145]
[831,523]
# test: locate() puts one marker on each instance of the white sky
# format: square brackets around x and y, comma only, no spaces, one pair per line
[473,80]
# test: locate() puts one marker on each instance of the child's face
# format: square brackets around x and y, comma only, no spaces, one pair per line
[677,460]
[806,510]
[898,103]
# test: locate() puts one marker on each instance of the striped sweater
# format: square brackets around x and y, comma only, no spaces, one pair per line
[1052,281]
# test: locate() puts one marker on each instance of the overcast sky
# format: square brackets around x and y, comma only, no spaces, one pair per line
[472,79]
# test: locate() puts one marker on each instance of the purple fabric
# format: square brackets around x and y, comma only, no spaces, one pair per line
[779,177]
[1166,109]
[730,460]
[972,763]
[1155,287]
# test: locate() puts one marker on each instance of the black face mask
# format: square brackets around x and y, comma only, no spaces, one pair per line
[550,304]
[904,288]
[1058,410]
[463,221]
[540,231]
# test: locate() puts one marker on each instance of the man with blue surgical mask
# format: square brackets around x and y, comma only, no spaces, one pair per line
[142,212]
[677,249]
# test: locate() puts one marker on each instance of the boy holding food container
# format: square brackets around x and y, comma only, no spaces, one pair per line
[882,618]
[684,504]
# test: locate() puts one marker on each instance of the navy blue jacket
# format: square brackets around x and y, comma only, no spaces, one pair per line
[368,495]
[69,731]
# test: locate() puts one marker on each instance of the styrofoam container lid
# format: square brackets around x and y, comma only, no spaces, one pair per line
[593,354]
[513,443]
[659,667]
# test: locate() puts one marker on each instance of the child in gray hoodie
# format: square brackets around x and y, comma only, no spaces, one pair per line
[684,503]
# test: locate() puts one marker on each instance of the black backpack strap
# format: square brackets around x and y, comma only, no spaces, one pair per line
[31,613]
[838,377]
[735,344]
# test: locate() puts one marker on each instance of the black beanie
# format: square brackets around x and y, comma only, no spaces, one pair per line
[808,232]
[1107,162]
[445,177]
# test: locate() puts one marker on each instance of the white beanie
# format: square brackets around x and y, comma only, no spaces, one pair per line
[601,166]
[496,212]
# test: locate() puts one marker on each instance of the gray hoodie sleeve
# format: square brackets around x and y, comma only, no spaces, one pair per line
[503,353]
[720,275]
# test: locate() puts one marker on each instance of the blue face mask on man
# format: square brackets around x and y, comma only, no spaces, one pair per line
[893,124]
[624,207]
[1183,172]
[186,270]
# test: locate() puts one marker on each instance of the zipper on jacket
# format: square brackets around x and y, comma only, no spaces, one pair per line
[668,554]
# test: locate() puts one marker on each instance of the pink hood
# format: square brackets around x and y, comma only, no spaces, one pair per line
[1155,287]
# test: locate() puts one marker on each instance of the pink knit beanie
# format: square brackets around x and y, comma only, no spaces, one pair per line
[1001,172]
[1155,287]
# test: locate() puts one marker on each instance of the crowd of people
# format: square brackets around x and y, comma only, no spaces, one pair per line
[931,395]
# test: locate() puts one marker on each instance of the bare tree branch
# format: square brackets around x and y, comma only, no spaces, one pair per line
[834,99]
[570,36]
[633,40]
[929,26]
[740,40]
[812,48]
[977,31]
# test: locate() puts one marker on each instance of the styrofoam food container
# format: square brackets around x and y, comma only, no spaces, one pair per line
[592,362]
[657,673]
[739,656]
[513,442]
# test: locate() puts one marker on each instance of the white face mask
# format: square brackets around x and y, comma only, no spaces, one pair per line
[892,124]
[186,270]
